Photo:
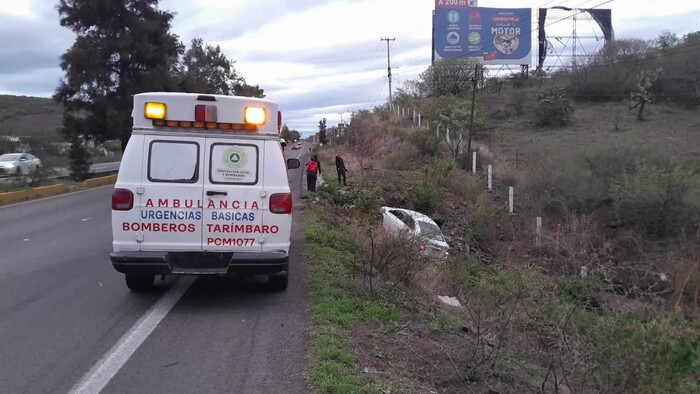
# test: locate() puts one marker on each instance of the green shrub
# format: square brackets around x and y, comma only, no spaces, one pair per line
[610,163]
[364,201]
[426,197]
[656,199]
[581,185]
[402,159]
[463,184]
[332,192]
[484,216]
[658,355]
[554,108]
[581,291]
[426,142]
[563,186]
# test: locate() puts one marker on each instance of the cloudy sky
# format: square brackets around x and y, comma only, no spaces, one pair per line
[317,59]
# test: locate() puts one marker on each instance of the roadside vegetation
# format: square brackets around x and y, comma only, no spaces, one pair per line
[606,298]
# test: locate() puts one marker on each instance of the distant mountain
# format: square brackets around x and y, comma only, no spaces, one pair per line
[30,116]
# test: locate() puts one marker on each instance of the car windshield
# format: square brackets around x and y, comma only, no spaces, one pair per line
[10,157]
[430,230]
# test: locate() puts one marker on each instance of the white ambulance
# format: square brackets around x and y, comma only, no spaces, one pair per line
[202,189]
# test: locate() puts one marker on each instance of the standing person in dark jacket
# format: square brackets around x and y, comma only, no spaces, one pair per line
[340,167]
[318,163]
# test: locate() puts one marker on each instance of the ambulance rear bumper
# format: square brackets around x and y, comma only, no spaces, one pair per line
[199,263]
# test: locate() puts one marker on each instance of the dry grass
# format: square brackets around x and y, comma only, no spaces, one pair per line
[669,131]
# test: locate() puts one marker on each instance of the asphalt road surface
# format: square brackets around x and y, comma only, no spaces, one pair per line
[69,324]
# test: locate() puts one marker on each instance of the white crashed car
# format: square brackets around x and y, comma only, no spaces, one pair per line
[418,226]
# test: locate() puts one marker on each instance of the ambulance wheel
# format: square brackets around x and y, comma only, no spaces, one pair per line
[139,283]
[278,281]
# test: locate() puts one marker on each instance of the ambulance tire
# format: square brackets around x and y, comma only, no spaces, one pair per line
[278,281]
[139,283]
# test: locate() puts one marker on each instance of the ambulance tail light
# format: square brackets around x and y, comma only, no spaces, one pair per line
[122,200]
[281,203]
[255,115]
[205,113]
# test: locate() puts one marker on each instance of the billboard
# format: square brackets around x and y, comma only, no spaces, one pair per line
[492,35]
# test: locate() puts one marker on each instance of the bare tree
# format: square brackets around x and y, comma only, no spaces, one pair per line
[645,86]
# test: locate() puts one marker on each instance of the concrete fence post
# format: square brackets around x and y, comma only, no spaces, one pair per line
[510,199]
[474,162]
[538,231]
[490,177]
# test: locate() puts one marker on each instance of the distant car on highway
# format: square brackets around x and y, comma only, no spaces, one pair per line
[18,163]
[297,146]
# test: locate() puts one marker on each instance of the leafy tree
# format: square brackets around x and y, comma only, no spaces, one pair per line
[322,131]
[447,77]
[295,135]
[243,89]
[205,69]
[449,118]
[693,37]
[285,133]
[72,131]
[122,48]
[666,39]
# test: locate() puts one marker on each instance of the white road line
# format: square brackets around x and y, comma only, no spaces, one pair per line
[104,370]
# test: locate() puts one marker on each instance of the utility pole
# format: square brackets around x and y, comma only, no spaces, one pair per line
[388,62]
[475,81]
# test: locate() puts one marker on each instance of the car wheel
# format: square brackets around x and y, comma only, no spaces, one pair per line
[278,281]
[139,283]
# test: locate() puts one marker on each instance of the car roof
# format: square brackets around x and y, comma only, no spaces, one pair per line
[415,215]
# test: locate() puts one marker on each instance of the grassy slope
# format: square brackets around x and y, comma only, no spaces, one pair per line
[30,116]
[606,336]
[667,130]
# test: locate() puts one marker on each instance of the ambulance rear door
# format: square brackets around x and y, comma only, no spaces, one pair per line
[171,208]
[233,195]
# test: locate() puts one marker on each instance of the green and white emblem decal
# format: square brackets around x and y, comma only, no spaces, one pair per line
[235,157]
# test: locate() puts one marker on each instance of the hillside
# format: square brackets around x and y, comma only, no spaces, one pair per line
[604,298]
[30,116]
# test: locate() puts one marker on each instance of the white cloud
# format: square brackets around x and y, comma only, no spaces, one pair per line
[17,8]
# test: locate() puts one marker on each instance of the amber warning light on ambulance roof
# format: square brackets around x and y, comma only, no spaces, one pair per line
[154,111]
[255,115]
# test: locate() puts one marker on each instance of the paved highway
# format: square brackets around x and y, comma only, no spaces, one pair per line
[68,323]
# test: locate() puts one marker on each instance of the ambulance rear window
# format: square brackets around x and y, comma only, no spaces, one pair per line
[173,161]
[233,164]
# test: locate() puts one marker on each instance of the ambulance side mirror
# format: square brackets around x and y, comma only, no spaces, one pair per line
[293,164]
